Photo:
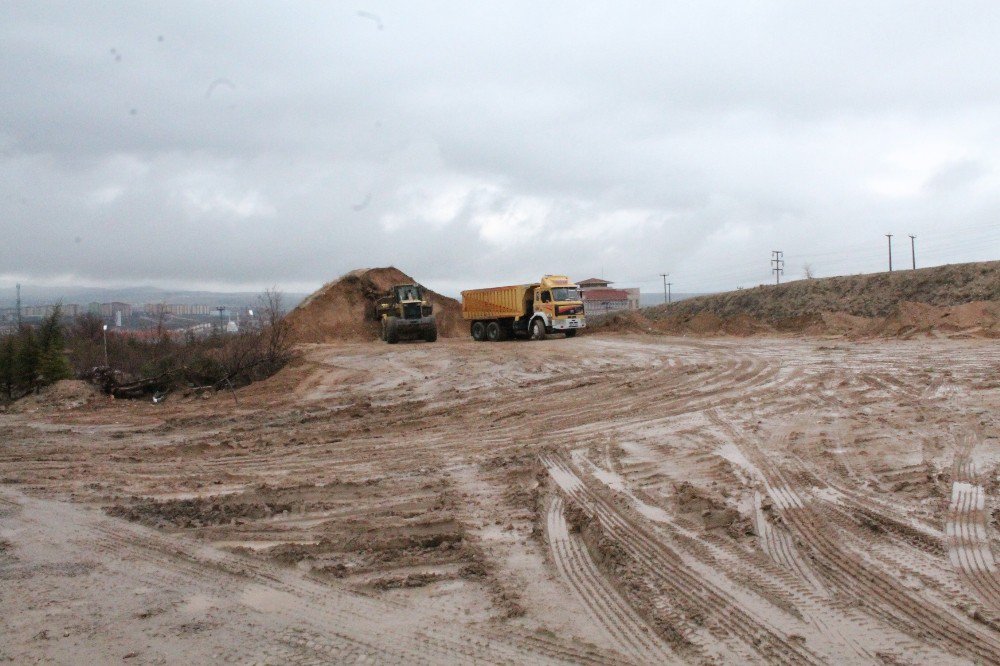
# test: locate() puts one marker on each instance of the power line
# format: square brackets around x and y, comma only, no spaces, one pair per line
[973,243]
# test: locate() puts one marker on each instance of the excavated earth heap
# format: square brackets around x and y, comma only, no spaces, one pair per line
[341,310]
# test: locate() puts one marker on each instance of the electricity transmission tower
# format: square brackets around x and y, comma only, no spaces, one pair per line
[777,265]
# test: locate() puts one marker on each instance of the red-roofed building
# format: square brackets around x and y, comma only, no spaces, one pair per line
[599,300]
[599,297]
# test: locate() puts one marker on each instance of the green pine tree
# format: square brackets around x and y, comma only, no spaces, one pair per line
[7,367]
[53,364]
[26,362]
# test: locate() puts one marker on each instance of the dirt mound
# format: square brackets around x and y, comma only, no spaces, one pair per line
[64,394]
[962,299]
[981,317]
[619,322]
[341,310]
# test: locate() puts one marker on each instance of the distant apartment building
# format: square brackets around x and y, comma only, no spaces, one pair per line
[40,311]
[115,309]
[599,297]
[178,309]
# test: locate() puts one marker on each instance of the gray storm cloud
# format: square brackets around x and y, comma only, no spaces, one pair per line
[263,143]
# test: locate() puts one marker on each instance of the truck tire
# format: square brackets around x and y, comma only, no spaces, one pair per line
[537,329]
[391,332]
[478,331]
[571,333]
[493,332]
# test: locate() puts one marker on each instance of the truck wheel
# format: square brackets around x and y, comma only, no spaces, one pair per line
[493,332]
[478,331]
[538,329]
[391,332]
[571,333]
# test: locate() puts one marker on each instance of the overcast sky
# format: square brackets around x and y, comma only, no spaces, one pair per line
[242,145]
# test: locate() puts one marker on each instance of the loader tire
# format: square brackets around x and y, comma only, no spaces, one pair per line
[392,332]
[431,335]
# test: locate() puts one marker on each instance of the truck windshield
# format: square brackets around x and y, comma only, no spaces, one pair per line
[565,294]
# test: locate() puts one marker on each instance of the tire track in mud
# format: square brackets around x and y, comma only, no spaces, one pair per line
[777,542]
[874,589]
[967,530]
[602,601]
[723,618]
[316,606]
[829,626]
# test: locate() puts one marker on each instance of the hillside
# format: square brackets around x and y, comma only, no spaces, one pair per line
[952,297]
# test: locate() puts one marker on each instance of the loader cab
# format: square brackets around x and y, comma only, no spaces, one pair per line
[409,292]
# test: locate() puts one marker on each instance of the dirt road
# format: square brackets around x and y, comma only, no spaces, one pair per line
[597,500]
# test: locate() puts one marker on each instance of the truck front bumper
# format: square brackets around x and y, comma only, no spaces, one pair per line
[566,323]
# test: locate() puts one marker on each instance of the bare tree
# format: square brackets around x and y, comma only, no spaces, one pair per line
[275,331]
[807,271]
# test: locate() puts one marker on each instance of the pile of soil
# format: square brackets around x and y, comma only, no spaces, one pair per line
[620,322]
[63,395]
[341,310]
[960,299]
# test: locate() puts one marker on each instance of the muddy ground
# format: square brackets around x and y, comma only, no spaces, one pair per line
[607,499]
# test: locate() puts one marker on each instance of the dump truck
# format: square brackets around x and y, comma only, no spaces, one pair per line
[406,314]
[553,305]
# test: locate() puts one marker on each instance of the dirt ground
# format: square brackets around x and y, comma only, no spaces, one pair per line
[606,499]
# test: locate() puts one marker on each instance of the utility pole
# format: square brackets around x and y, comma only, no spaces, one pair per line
[889,236]
[666,298]
[669,300]
[913,251]
[777,265]
[18,307]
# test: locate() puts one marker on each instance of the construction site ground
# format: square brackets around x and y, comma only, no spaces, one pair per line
[605,499]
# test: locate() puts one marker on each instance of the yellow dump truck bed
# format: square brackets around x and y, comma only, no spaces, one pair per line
[495,302]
